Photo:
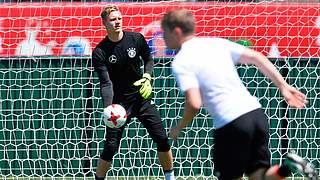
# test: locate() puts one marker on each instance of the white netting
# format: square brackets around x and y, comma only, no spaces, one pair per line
[50,107]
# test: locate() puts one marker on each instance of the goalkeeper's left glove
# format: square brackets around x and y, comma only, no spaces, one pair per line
[145,83]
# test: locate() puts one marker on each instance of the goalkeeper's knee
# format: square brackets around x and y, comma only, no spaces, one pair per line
[163,145]
[110,149]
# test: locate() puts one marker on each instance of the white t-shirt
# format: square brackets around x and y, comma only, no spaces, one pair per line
[209,64]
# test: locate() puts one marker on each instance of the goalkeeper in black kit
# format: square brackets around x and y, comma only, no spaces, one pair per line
[117,60]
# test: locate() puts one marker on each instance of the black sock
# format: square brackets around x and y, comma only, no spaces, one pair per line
[98,178]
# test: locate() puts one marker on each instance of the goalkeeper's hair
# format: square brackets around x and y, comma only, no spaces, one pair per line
[107,10]
[181,18]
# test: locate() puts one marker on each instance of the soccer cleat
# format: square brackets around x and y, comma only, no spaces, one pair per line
[298,164]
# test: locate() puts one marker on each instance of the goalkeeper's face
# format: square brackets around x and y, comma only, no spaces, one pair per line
[113,22]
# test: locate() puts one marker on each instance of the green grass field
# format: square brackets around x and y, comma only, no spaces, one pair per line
[108,178]
[125,178]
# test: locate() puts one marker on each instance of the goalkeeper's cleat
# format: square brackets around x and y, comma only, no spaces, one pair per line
[299,165]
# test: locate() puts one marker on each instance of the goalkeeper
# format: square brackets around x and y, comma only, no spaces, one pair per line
[117,60]
[205,71]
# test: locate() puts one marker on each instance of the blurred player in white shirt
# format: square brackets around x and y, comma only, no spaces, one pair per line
[205,71]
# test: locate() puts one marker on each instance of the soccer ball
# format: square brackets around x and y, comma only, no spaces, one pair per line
[114,116]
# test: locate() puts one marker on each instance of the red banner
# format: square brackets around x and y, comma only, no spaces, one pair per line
[275,29]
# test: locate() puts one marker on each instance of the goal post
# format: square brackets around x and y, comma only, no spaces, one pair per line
[50,102]
[51,120]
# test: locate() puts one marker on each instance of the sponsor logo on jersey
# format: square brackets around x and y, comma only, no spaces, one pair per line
[112,59]
[132,52]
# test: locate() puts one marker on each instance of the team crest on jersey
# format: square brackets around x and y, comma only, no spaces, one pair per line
[112,59]
[131,52]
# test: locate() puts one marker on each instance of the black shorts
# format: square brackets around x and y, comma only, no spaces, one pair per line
[241,147]
[146,112]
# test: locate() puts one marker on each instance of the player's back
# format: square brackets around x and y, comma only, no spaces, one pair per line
[212,62]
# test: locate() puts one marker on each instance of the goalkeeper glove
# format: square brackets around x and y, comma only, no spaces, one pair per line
[146,88]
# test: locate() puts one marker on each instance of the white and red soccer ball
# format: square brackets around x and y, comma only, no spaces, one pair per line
[114,116]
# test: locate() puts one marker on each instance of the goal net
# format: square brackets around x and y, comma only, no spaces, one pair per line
[50,103]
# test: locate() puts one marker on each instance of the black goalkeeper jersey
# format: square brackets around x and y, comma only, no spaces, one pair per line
[118,65]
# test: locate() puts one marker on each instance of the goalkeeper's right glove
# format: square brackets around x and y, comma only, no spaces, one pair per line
[145,83]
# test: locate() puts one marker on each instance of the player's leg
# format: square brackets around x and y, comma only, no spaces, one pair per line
[111,146]
[297,164]
[166,161]
[292,164]
[234,147]
[258,168]
[149,116]
[271,173]
[102,167]
[259,165]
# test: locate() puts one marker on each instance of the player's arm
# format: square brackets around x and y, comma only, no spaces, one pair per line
[145,82]
[106,87]
[191,108]
[189,84]
[293,96]
[146,55]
